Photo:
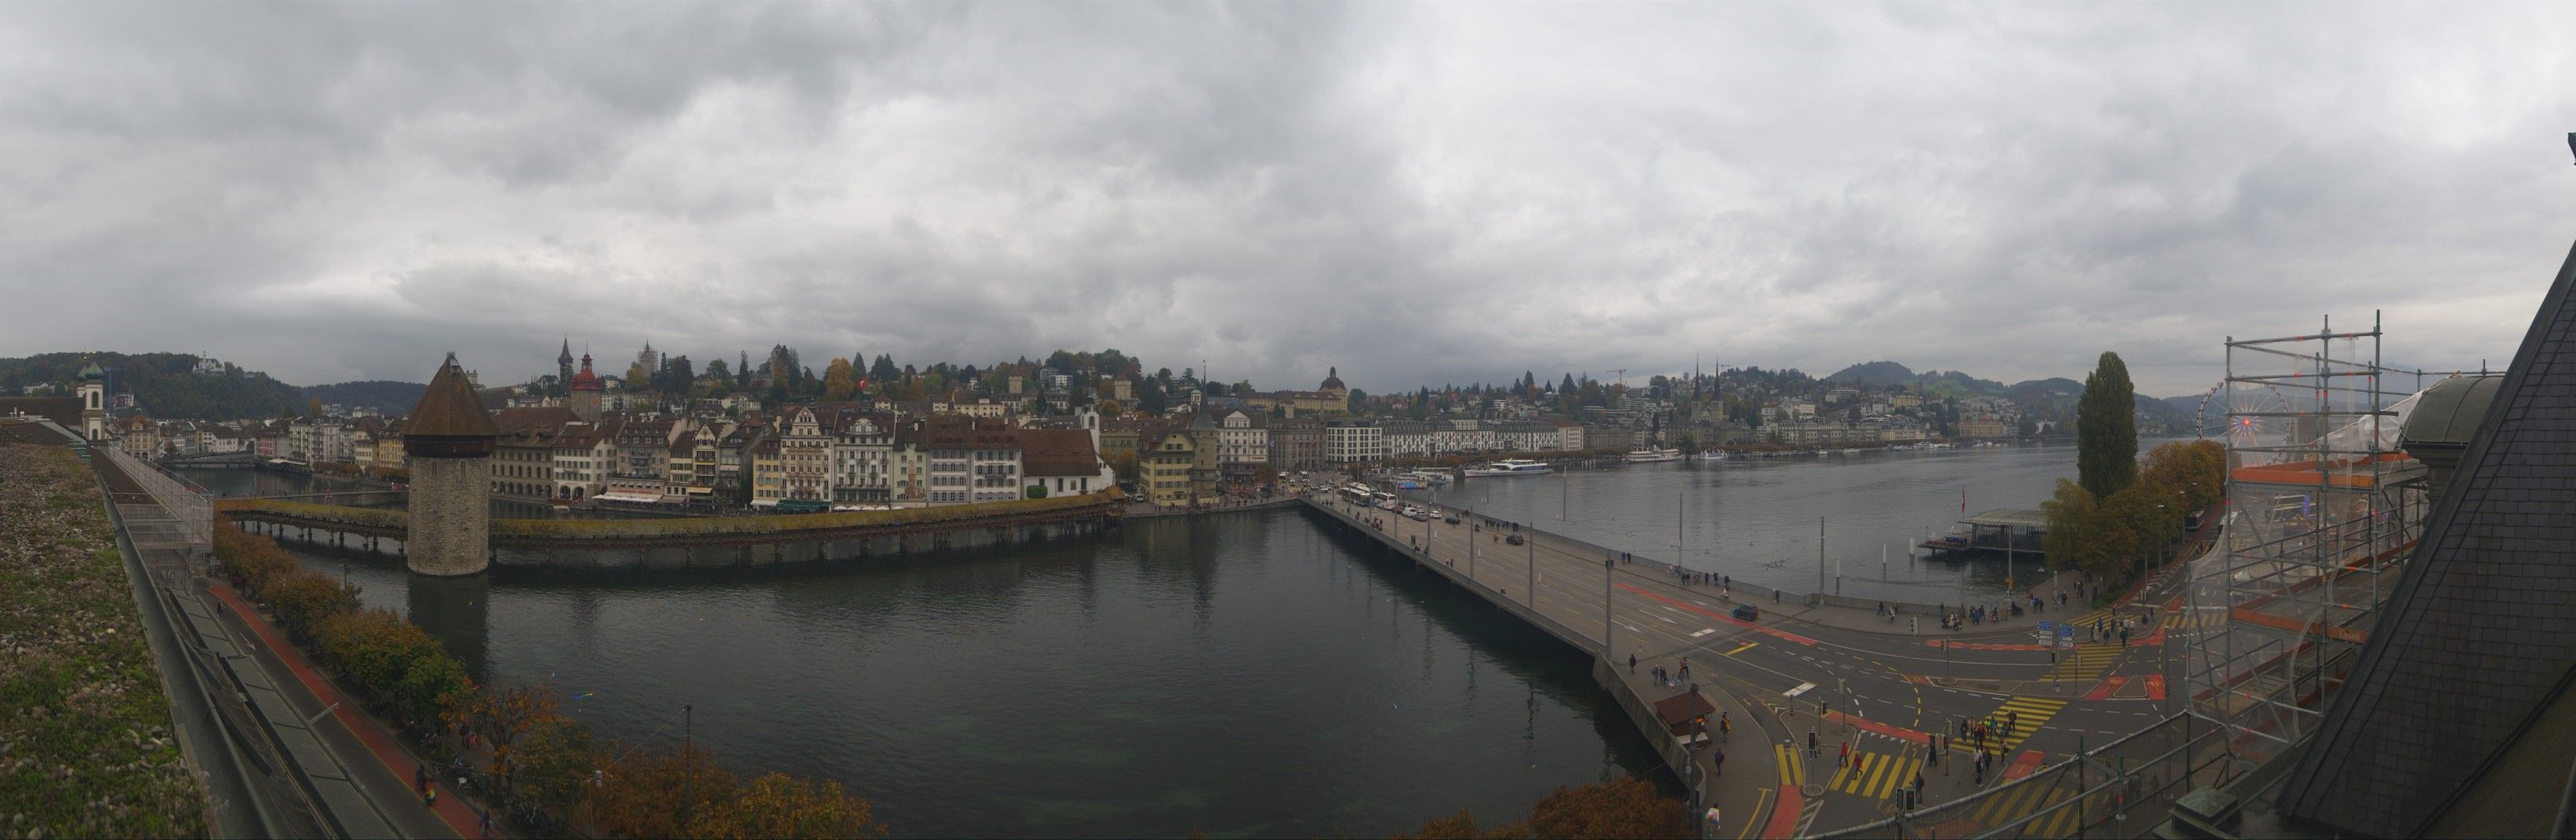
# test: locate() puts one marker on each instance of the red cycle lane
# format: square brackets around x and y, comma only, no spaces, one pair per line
[459,817]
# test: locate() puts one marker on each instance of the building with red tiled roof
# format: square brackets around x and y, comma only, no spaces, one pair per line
[1061,462]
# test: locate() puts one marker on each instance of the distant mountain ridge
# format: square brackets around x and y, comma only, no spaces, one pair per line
[2048,397]
[164,385]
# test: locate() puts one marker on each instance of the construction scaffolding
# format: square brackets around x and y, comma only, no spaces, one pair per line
[2323,508]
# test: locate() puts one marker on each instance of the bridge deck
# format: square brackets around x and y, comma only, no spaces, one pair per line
[1575,591]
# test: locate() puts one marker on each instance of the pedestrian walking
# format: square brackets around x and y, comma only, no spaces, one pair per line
[1724,726]
[1812,749]
[1719,757]
[420,779]
[1632,663]
[429,797]
[1844,760]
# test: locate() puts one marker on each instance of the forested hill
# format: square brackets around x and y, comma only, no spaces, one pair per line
[164,385]
[387,397]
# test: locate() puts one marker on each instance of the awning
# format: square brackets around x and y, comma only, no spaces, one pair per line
[701,491]
[628,497]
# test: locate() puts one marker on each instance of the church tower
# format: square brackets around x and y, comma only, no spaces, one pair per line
[93,395]
[563,363]
[585,393]
[450,440]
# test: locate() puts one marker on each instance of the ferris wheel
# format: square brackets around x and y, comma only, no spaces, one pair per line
[2259,415]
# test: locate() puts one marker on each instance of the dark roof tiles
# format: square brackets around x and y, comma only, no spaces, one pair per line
[448,407]
[2463,657]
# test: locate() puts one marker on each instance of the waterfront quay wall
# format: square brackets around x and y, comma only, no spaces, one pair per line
[1752,592]
[1675,753]
[682,543]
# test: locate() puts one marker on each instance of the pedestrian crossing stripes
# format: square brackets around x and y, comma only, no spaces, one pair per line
[2195,620]
[2015,802]
[1793,765]
[2085,661]
[1876,775]
[2083,624]
[2034,711]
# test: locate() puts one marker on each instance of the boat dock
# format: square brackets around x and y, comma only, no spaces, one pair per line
[2006,530]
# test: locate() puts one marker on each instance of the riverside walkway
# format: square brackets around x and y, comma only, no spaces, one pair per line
[1833,703]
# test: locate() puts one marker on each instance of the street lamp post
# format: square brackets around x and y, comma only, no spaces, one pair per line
[1606,563]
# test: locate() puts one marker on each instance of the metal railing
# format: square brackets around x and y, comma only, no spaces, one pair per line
[2123,789]
[160,510]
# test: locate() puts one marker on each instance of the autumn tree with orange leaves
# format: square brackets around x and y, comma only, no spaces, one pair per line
[1623,808]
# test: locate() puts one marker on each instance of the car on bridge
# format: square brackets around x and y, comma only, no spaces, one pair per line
[1515,539]
[1748,612]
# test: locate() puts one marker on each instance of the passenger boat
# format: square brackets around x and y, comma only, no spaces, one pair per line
[1653,456]
[1507,466]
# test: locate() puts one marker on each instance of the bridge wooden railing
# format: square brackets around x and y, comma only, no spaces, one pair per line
[723,528]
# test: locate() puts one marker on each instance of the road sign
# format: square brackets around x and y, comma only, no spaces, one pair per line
[2047,629]
[2066,636]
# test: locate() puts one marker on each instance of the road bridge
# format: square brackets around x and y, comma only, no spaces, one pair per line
[1870,692]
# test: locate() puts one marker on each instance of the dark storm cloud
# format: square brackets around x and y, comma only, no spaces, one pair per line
[1418,194]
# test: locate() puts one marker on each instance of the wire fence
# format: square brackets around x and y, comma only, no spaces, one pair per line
[2123,789]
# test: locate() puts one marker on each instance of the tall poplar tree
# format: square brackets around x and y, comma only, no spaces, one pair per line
[2106,429]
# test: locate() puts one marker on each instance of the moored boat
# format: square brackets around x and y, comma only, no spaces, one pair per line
[1653,455]
[1507,466]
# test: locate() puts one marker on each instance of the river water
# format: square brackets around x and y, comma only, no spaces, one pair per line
[1757,520]
[1244,675]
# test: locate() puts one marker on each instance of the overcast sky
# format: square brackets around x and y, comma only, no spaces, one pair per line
[1418,194]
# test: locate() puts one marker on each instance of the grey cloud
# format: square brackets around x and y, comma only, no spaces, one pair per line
[1415,193]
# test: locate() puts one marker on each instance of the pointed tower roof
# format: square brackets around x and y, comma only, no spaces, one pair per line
[565,357]
[449,408]
[91,372]
[585,380]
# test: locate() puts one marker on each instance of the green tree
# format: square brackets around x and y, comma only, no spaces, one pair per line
[2070,511]
[555,758]
[2106,429]
[838,381]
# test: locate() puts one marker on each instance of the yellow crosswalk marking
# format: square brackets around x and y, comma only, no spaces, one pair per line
[2015,802]
[1793,765]
[2034,712]
[1747,646]
[2192,620]
[2086,662]
[1876,775]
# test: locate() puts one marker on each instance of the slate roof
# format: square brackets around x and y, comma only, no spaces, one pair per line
[448,407]
[64,411]
[2481,631]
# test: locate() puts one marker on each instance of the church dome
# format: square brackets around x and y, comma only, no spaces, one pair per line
[1332,380]
[91,372]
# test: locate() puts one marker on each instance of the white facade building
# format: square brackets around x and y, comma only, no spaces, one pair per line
[1354,441]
